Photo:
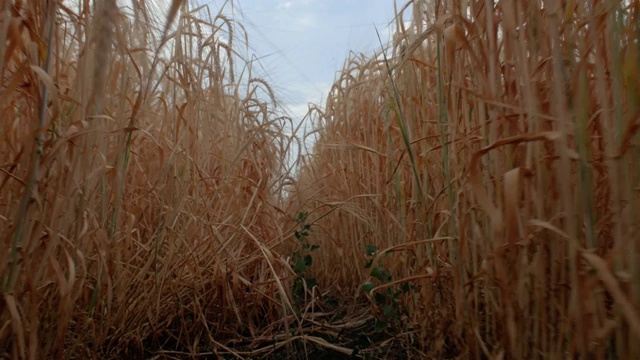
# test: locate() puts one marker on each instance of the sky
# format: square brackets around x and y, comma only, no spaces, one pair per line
[303,44]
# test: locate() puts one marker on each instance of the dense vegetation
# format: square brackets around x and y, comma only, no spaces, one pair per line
[470,194]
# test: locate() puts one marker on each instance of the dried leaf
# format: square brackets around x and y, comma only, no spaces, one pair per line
[628,310]
[511,209]
[16,323]
[475,176]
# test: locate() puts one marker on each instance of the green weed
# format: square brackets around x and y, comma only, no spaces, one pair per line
[388,299]
[302,260]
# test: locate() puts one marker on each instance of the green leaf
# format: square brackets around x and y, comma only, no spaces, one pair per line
[308,260]
[389,311]
[379,273]
[380,299]
[406,287]
[371,249]
[315,247]
[298,288]
[368,264]
[380,325]
[367,287]
[311,282]
[300,266]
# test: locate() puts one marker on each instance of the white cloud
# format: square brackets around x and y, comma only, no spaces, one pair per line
[293,3]
[306,21]
[285,5]
[298,111]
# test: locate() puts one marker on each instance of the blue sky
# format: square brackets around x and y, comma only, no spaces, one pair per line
[302,44]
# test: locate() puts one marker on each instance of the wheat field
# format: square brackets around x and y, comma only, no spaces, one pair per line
[470,192]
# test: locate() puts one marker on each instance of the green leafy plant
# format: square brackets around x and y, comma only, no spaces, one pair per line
[302,259]
[388,299]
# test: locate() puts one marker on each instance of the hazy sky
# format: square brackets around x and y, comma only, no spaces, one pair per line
[304,43]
